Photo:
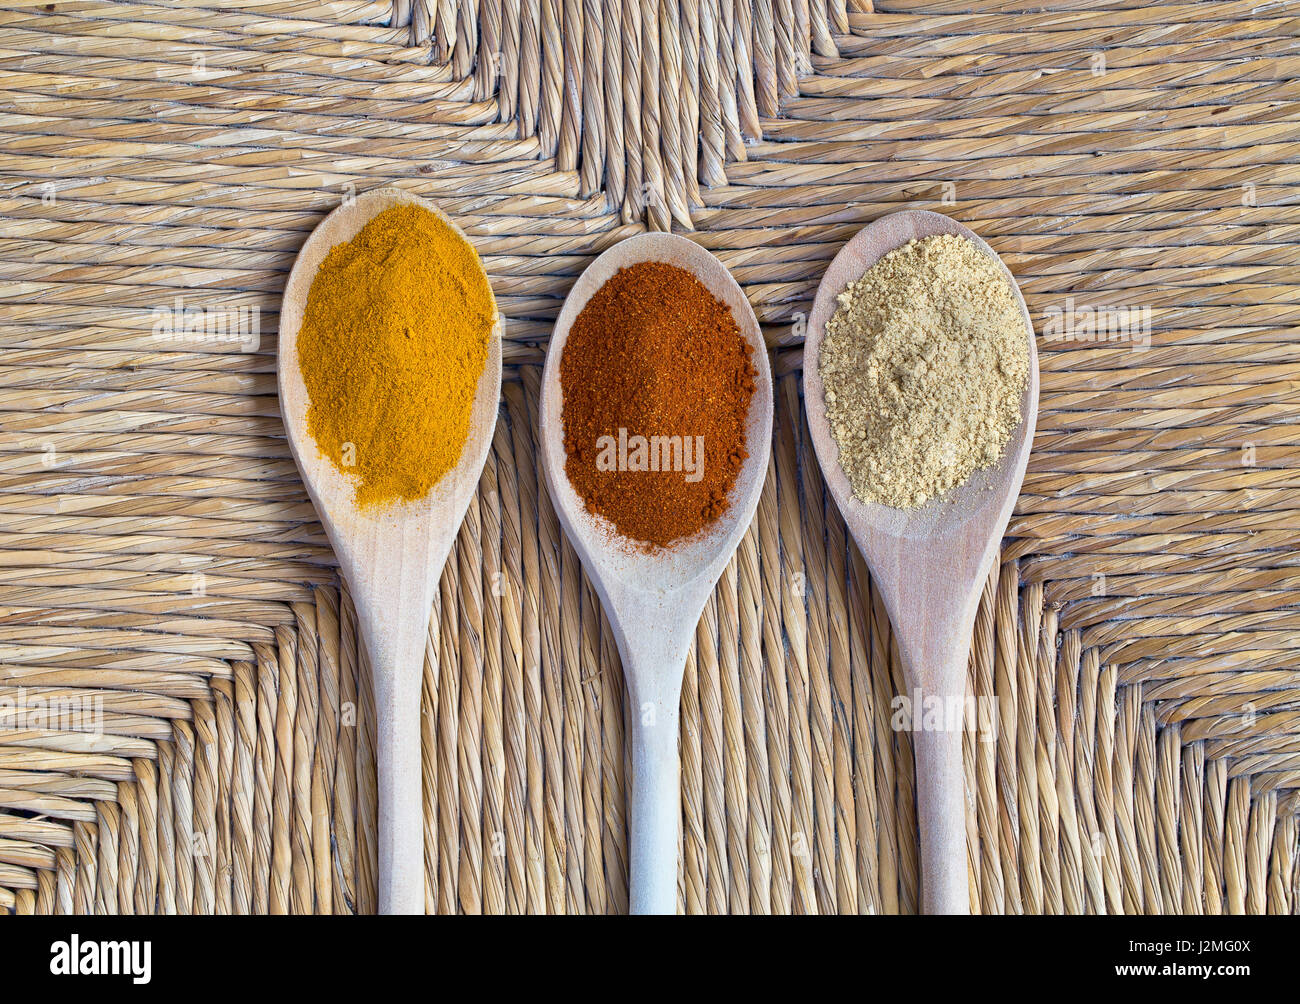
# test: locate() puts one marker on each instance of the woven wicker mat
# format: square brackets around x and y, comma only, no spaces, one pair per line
[160,562]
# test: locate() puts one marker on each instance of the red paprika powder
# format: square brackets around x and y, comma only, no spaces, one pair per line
[657,380]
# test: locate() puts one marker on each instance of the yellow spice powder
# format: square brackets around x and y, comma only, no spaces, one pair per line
[923,365]
[393,342]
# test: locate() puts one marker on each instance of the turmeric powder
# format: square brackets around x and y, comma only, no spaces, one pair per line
[393,341]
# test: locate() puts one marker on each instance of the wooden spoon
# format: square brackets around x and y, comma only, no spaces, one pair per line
[930,564]
[391,555]
[654,600]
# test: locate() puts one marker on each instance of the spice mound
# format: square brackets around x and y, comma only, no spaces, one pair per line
[923,366]
[393,342]
[657,380]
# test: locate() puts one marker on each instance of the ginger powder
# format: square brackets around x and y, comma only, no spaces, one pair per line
[923,364]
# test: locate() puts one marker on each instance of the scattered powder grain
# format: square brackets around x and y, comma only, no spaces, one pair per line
[923,365]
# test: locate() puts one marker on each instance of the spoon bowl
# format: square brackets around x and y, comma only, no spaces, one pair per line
[391,555]
[929,563]
[654,599]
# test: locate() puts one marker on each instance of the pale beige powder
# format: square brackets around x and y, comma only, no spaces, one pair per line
[923,364]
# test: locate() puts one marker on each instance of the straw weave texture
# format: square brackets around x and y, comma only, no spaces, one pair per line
[158,552]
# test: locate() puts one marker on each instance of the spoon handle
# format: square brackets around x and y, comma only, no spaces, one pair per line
[656,807]
[397,677]
[941,814]
[934,629]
